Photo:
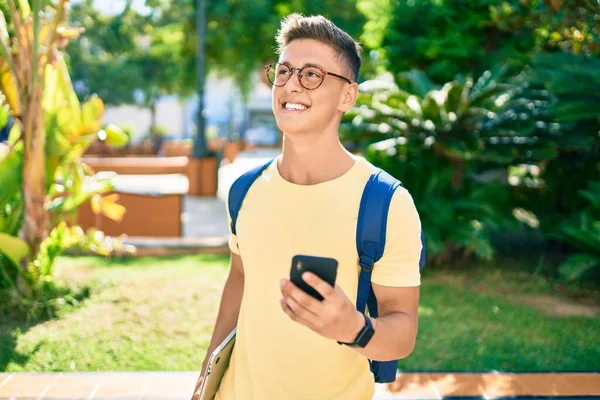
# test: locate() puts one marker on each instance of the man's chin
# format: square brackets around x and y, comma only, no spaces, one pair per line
[297,128]
[292,131]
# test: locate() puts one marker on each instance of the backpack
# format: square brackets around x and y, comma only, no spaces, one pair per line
[370,241]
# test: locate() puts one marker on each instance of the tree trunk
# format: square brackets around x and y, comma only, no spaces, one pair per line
[154,137]
[459,172]
[35,223]
[152,116]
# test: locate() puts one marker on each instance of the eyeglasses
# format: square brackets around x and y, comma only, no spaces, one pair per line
[310,77]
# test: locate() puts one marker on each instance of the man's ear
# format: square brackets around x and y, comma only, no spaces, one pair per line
[349,97]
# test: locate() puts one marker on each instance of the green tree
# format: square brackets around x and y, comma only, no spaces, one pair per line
[42,178]
[240,35]
[441,38]
[125,54]
[157,53]
[447,144]
[582,231]
[563,202]
[571,26]
[458,37]
[101,61]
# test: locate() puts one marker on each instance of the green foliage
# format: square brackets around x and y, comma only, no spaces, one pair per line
[12,214]
[568,25]
[234,49]
[444,39]
[449,38]
[495,119]
[455,219]
[565,203]
[13,248]
[109,60]
[157,53]
[446,144]
[65,130]
[50,297]
[129,130]
[582,231]
[11,180]
[574,81]
[33,293]
[127,58]
[159,131]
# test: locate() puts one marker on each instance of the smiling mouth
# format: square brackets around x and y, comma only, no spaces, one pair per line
[294,107]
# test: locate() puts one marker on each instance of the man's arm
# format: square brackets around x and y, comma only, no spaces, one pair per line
[397,324]
[395,281]
[337,318]
[229,311]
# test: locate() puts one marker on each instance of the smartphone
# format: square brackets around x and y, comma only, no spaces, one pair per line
[324,267]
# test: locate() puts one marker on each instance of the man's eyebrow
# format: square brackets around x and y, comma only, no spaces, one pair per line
[305,65]
[314,65]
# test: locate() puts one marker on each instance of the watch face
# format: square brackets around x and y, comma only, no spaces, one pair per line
[365,335]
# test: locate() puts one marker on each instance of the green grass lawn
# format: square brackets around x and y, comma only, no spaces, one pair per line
[157,314]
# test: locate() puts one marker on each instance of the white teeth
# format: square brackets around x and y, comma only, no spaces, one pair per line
[292,106]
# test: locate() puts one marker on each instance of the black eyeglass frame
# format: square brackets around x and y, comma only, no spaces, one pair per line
[299,74]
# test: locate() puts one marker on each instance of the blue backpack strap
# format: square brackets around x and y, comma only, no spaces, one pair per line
[423,255]
[370,244]
[371,231]
[239,189]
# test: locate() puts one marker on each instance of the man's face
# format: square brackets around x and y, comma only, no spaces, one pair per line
[301,111]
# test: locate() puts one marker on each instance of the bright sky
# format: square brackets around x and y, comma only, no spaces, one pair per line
[116,6]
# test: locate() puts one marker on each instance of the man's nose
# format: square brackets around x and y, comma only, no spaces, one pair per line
[293,84]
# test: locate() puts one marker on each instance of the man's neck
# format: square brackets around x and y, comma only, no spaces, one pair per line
[310,160]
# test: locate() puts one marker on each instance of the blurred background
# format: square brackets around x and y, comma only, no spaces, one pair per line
[123,123]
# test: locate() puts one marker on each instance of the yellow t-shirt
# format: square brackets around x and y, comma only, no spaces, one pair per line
[274,357]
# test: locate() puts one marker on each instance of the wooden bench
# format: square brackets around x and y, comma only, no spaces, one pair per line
[201,173]
[154,205]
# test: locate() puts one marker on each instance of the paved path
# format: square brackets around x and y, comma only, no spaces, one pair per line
[204,218]
[179,386]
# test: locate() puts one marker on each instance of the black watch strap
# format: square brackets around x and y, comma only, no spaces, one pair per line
[364,336]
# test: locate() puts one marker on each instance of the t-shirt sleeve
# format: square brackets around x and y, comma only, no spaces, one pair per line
[399,265]
[233,243]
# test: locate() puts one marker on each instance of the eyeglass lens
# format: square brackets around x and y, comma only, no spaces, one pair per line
[279,74]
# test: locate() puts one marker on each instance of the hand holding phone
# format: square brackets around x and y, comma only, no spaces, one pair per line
[324,267]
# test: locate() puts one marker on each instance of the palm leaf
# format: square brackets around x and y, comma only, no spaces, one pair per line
[13,248]
[8,75]
[576,266]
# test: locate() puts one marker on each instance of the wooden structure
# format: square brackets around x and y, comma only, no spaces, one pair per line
[154,207]
[200,172]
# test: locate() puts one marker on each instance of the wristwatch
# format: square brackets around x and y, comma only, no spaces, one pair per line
[364,336]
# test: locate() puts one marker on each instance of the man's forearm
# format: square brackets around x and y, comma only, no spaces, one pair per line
[229,308]
[394,338]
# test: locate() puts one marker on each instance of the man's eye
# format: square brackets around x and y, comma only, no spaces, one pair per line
[311,74]
[283,72]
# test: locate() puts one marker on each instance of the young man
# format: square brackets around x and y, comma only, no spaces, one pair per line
[306,202]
